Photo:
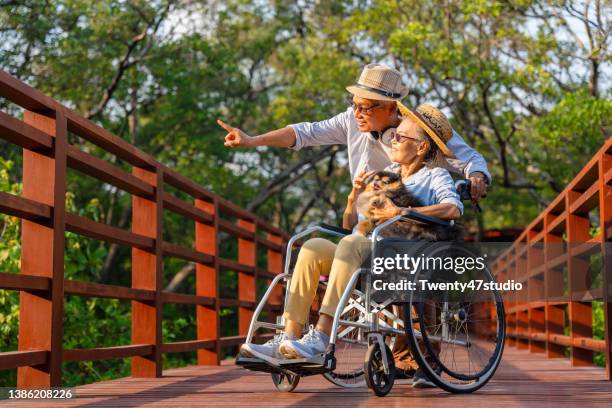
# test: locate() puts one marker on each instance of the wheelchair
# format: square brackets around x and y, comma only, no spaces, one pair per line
[457,339]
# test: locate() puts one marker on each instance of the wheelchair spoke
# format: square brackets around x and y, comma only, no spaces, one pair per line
[351,345]
[462,356]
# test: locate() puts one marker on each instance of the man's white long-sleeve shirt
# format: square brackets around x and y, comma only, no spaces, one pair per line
[367,153]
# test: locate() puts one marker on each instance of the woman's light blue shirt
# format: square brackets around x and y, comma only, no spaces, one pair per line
[431,185]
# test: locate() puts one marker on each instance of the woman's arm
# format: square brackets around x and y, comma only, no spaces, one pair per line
[349,219]
[444,211]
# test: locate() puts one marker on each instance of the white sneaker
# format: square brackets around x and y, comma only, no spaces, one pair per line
[267,351]
[421,380]
[314,342]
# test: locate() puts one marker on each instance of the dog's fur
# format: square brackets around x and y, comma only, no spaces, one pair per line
[384,189]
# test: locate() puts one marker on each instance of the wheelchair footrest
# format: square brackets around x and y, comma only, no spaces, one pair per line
[255,364]
[302,367]
[305,366]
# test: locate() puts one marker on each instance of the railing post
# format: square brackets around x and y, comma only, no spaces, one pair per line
[42,254]
[207,283]
[147,220]
[247,253]
[515,296]
[522,323]
[605,221]
[553,287]
[535,289]
[580,313]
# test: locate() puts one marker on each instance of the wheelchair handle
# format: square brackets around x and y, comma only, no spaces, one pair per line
[464,189]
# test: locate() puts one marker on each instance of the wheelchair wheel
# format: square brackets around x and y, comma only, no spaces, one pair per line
[285,382]
[457,336]
[352,343]
[379,382]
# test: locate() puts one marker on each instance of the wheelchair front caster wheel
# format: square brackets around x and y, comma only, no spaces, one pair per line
[374,370]
[285,382]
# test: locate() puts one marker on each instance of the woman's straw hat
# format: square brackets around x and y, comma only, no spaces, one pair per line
[432,121]
[379,82]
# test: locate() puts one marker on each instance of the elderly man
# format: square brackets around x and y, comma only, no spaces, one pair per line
[366,127]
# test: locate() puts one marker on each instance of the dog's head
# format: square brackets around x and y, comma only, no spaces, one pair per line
[383,181]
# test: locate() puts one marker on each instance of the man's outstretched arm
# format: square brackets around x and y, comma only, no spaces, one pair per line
[330,131]
[235,137]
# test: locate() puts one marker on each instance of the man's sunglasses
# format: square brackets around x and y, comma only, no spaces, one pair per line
[365,110]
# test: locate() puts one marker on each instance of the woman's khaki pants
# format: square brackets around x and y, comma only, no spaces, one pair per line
[318,257]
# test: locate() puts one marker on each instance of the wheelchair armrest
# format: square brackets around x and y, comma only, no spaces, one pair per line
[426,219]
[337,230]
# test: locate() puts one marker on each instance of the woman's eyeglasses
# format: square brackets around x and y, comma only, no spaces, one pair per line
[401,138]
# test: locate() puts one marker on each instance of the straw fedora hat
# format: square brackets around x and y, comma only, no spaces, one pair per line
[433,122]
[379,82]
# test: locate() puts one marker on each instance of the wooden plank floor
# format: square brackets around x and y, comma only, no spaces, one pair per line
[523,379]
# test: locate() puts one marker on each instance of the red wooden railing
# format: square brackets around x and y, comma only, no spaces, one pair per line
[557,243]
[42,133]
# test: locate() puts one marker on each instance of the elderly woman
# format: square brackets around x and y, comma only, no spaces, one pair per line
[419,143]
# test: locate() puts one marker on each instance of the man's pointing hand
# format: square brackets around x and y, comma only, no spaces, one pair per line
[235,137]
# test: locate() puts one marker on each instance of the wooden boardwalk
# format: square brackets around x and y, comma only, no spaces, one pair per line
[523,379]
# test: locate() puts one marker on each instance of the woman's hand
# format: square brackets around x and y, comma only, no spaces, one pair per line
[359,184]
[390,210]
